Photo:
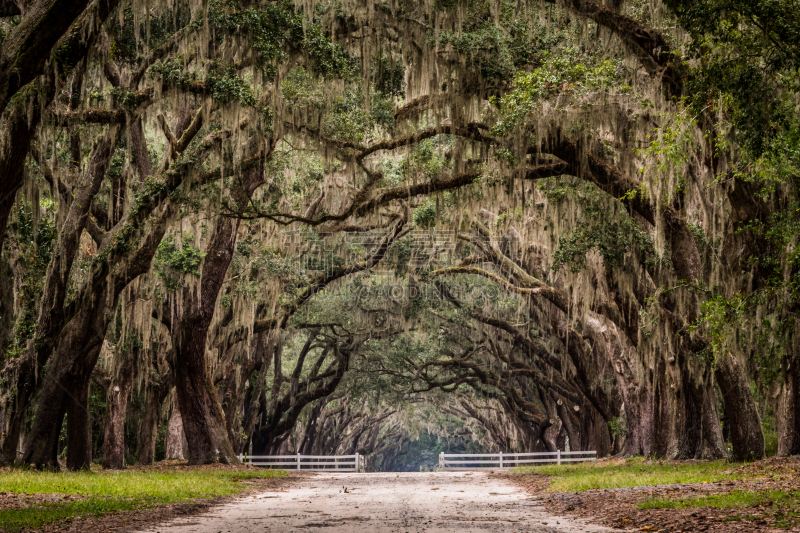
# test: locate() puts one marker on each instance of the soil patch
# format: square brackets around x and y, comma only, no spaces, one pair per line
[385,502]
[143,518]
[619,507]
[16,500]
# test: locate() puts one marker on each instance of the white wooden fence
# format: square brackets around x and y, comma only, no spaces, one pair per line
[497,461]
[308,463]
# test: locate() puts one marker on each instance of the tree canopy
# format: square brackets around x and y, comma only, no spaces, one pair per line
[398,228]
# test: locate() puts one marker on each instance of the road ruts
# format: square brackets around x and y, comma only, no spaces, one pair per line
[438,502]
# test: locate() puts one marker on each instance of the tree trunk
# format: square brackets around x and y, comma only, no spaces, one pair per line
[15,148]
[14,145]
[661,410]
[70,369]
[713,445]
[156,394]
[551,433]
[139,149]
[177,446]
[312,429]
[66,390]
[116,408]
[789,412]
[747,437]
[255,403]
[684,425]
[570,424]
[79,428]
[79,336]
[203,418]
[9,453]
[42,452]
[63,393]
[603,437]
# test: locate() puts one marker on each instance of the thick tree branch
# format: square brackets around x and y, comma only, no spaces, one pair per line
[648,45]
[27,48]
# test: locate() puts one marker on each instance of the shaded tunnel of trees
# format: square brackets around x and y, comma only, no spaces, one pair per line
[398,228]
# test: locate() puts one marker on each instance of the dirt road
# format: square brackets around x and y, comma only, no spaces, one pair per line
[387,502]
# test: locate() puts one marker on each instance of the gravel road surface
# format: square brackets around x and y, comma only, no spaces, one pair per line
[388,502]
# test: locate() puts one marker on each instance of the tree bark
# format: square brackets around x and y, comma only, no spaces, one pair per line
[139,149]
[312,429]
[69,370]
[79,344]
[14,145]
[116,408]
[747,437]
[259,443]
[203,418]
[88,317]
[683,425]
[23,58]
[789,412]
[65,391]
[156,393]
[256,404]
[713,445]
[570,425]
[177,446]
[79,427]
[551,433]
[51,308]
[27,48]
[42,452]
[649,46]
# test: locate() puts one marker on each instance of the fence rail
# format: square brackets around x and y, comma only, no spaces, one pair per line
[308,463]
[497,461]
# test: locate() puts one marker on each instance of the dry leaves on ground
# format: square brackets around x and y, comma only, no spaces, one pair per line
[619,508]
[140,519]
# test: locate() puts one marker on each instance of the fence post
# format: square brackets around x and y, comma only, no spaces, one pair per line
[441,460]
[298,461]
[357,469]
[501,460]
[559,456]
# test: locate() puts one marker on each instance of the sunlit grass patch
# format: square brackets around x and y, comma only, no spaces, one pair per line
[633,473]
[37,516]
[105,492]
[170,486]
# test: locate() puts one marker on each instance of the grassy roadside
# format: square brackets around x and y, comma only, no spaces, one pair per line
[738,498]
[83,494]
[635,472]
[782,506]
[673,496]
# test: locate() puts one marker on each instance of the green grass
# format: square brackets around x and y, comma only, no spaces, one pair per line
[632,473]
[772,498]
[40,515]
[782,506]
[115,491]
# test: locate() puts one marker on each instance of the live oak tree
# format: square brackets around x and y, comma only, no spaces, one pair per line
[561,221]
